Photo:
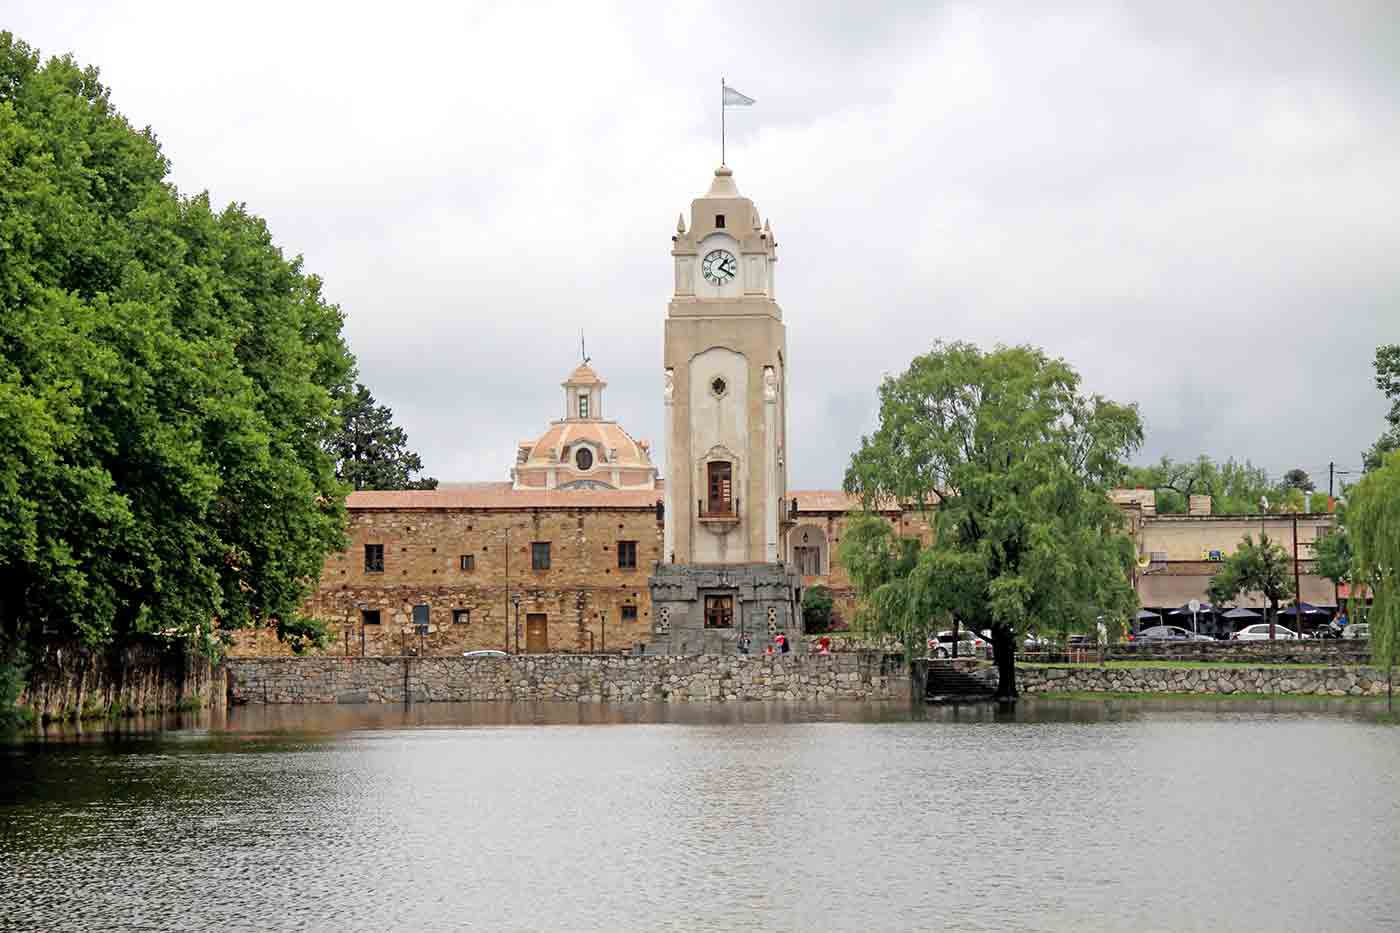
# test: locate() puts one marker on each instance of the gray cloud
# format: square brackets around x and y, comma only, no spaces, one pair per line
[1194,203]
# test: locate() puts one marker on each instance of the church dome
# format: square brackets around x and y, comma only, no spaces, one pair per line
[583,450]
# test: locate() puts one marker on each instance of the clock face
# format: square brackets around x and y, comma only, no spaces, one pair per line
[719,266]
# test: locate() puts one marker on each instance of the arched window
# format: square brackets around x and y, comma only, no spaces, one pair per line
[584,458]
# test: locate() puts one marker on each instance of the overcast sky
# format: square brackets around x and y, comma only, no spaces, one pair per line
[1196,203]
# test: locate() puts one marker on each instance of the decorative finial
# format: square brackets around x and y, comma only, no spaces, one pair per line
[680,222]
[582,347]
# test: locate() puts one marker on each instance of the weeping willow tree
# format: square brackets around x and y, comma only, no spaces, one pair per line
[1373,528]
[1016,466]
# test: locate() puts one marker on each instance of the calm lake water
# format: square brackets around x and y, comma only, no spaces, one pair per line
[1083,816]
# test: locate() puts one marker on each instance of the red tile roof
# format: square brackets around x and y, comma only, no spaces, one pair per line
[501,496]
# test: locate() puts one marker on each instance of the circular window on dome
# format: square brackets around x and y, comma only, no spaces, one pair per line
[719,387]
[584,458]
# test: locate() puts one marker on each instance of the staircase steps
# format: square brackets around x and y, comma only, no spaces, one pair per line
[946,684]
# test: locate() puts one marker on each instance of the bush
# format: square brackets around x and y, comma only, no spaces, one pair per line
[817,610]
[11,683]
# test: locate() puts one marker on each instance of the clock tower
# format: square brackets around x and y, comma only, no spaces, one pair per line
[725,361]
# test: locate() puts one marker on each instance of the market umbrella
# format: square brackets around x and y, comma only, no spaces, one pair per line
[1307,609]
[1242,613]
[1143,614]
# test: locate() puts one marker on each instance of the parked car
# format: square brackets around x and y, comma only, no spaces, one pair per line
[1169,633]
[970,645]
[1260,632]
[485,653]
[1357,630]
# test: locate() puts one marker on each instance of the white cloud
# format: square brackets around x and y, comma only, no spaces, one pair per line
[1197,209]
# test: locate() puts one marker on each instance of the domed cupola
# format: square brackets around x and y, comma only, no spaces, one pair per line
[583,450]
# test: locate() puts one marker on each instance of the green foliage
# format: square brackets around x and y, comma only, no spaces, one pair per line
[1373,525]
[816,609]
[167,384]
[1388,381]
[1018,464]
[1264,568]
[370,451]
[12,674]
[1234,487]
[1335,560]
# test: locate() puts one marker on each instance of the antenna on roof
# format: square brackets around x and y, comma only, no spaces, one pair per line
[582,347]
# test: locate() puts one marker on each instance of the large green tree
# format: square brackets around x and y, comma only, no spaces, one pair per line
[1373,526]
[370,451]
[1016,465]
[1388,381]
[1262,567]
[167,384]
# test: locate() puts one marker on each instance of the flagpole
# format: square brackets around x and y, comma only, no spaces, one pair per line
[721,121]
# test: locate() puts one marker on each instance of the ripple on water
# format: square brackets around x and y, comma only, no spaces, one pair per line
[1062,816]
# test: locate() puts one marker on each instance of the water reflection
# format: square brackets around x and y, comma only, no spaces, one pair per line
[1056,815]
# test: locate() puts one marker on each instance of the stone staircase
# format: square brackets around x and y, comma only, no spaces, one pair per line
[950,681]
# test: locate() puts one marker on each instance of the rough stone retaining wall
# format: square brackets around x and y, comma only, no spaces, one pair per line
[1304,651]
[1325,681]
[582,678]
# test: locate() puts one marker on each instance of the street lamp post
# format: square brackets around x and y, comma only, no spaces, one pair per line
[516,600]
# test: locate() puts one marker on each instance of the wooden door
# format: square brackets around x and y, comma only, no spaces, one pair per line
[536,633]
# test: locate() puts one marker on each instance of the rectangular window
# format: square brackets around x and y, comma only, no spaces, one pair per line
[627,555]
[539,555]
[461,616]
[629,613]
[369,616]
[583,404]
[374,558]
[721,498]
[719,221]
[468,561]
[719,612]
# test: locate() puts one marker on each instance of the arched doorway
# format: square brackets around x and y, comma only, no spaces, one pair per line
[808,547]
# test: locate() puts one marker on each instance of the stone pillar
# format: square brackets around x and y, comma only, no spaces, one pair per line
[770,481]
[668,537]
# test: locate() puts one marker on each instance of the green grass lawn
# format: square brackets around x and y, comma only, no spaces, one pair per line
[1179,665]
[1121,695]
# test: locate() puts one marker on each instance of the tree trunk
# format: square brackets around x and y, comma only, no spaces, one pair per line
[1004,653]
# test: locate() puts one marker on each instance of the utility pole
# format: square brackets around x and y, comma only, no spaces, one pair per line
[1297,583]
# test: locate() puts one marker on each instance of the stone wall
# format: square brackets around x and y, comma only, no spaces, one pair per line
[1322,681]
[1305,651]
[582,678]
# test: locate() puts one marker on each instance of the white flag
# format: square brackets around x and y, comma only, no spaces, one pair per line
[733,98]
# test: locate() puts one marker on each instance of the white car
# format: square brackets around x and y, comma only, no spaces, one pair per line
[970,645]
[1260,632]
